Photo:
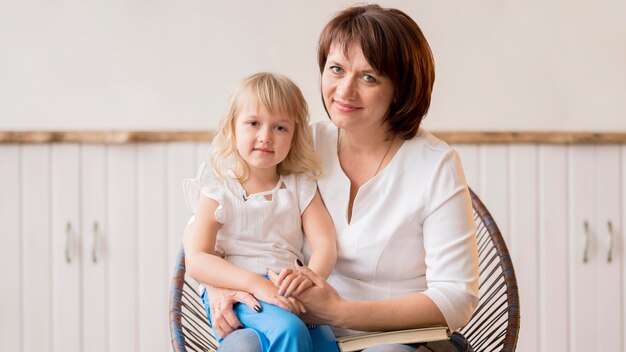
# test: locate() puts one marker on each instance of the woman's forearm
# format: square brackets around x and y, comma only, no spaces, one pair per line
[413,311]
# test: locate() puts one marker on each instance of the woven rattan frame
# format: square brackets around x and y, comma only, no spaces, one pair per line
[495,323]
[493,327]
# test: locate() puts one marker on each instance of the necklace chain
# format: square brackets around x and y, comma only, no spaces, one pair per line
[380,164]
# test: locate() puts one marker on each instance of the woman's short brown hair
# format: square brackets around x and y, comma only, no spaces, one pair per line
[395,47]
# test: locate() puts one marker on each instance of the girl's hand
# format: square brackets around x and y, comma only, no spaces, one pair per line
[222,300]
[323,303]
[267,292]
[292,283]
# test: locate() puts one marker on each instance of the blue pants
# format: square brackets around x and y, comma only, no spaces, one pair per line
[279,330]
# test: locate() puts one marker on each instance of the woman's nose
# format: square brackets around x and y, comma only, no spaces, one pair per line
[346,88]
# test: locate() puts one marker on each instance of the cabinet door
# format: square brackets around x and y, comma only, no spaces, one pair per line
[65,255]
[11,269]
[595,283]
[608,228]
[36,244]
[95,257]
[121,210]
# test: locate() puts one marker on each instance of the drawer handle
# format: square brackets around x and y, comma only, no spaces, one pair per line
[609,257]
[68,239]
[94,247]
[586,241]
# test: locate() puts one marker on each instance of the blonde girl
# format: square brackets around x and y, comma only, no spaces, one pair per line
[252,204]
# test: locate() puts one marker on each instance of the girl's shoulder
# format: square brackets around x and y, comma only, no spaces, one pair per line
[206,180]
[303,186]
[296,181]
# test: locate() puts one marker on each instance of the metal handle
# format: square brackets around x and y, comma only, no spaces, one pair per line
[68,239]
[94,248]
[609,257]
[586,241]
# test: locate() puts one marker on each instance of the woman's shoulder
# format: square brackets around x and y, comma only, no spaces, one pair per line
[428,140]
[430,149]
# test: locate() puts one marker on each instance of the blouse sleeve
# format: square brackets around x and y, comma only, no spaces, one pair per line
[306,188]
[205,183]
[450,244]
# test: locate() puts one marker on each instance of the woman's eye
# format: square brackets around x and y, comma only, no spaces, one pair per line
[369,79]
[335,69]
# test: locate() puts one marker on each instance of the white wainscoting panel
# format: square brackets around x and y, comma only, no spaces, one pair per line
[36,248]
[95,256]
[11,268]
[609,261]
[621,247]
[66,260]
[152,251]
[126,209]
[181,164]
[494,178]
[553,248]
[524,239]
[123,293]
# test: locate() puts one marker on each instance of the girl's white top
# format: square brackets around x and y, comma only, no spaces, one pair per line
[412,227]
[257,233]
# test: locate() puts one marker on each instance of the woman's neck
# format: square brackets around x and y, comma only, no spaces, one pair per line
[363,143]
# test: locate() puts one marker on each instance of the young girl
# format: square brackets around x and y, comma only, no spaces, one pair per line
[251,208]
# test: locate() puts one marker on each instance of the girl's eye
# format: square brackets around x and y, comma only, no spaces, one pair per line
[369,79]
[253,123]
[280,128]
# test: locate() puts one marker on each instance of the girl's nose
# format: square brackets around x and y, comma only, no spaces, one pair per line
[264,136]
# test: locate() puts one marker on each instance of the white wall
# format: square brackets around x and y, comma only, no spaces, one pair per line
[501,64]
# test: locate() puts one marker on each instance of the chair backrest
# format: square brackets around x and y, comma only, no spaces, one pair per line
[493,327]
[496,321]
[189,326]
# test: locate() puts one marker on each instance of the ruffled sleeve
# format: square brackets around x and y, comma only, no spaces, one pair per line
[205,183]
[306,188]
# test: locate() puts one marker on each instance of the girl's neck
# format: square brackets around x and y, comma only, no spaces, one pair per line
[260,181]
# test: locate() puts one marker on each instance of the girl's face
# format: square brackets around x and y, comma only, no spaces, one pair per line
[263,138]
[355,95]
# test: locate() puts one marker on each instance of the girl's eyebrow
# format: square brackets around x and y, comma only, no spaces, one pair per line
[286,121]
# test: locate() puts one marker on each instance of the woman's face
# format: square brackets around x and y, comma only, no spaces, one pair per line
[355,95]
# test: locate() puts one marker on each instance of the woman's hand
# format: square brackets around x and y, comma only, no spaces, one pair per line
[267,292]
[322,302]
[292,283]
[222,300]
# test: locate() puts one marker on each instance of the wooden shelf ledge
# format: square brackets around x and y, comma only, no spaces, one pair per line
[454,137]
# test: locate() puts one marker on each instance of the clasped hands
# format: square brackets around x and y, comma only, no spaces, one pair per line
[281,290]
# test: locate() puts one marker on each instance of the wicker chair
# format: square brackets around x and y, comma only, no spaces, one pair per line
[495,323]
[493,327]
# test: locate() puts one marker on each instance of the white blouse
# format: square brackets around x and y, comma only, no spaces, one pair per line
[257,233]
[412,227]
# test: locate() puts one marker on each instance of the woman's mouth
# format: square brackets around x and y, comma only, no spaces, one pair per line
[345,107]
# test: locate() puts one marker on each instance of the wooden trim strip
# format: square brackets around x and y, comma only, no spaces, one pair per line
[532,137]
[121,137]
[104,137]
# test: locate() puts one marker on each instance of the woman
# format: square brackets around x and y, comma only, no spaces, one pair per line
[407,252]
